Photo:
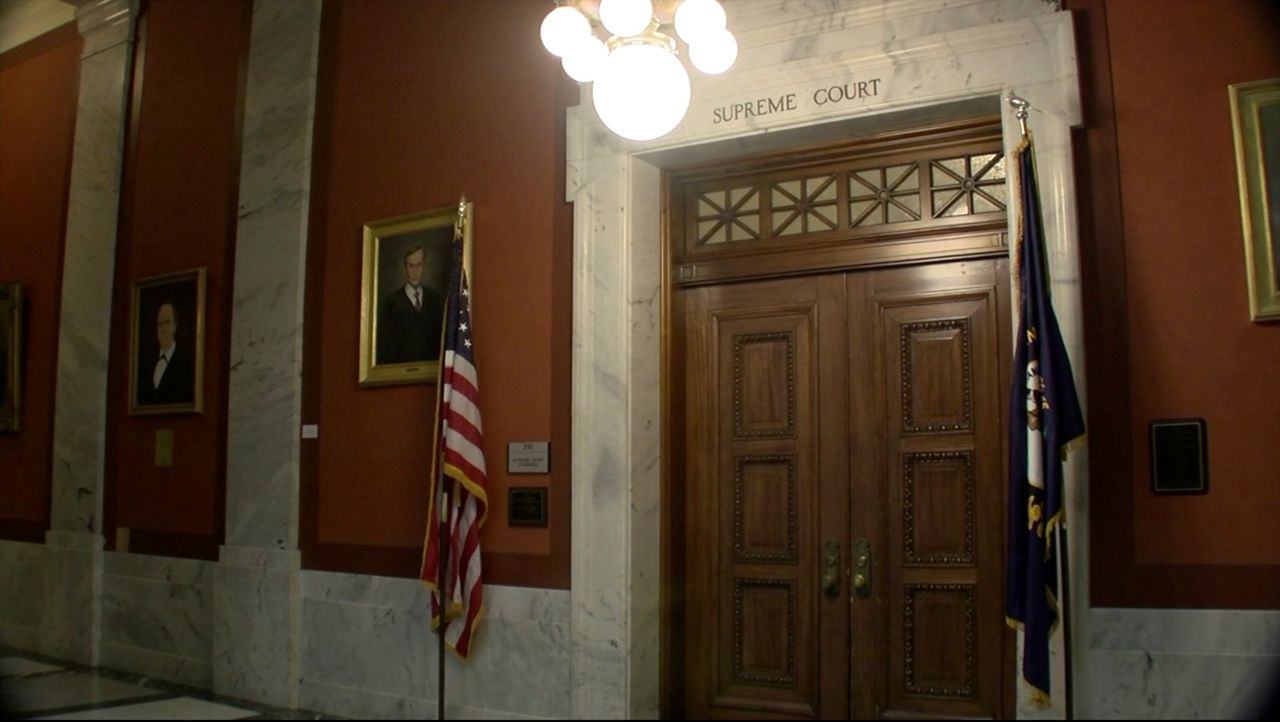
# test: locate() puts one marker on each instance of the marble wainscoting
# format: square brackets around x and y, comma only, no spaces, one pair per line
[368,652]
[70,620]
[157,617]
[22,594]
[1181,663]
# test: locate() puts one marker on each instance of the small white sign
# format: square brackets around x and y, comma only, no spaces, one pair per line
[311,431]
[528,457]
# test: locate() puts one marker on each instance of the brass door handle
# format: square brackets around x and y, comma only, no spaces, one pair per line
[862,567]
[831,568]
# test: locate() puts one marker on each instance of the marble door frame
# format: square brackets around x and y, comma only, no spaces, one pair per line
[934,62]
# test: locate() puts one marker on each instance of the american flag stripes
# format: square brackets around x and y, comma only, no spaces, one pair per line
[458,498]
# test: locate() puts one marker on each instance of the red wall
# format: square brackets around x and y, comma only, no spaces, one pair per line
[38,86]
[1193,350]
[180,189]
[421,102]
[1190,346]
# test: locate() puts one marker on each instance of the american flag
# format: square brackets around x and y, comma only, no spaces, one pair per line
[457,477]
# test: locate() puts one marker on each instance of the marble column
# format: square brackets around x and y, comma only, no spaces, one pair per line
[69,627]
[257,587]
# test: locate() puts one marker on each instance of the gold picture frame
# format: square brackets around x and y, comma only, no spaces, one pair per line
[403,284]
[167,318]
[11,357]
[1255,118]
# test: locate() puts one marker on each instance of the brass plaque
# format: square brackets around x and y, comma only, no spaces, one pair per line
[527,506]
[164,447]
[1179,457]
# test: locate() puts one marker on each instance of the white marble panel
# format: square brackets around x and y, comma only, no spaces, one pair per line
[1187,631]
[256,630]
[157,617]
[1161,685]
[80,403]
[368,651]
[69,627]
[265,393]
[22,593]
[933,58]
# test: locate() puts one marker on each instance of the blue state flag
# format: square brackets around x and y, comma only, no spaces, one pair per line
[1045,421]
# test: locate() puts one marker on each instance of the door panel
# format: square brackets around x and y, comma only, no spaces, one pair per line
[830,413]
[761,455]
[937,336]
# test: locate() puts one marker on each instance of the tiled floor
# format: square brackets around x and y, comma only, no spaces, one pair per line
[34,687]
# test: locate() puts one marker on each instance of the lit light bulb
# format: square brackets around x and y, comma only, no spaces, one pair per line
[715,53]
[697,19]
[626,18]
[642,92]
[585,61]
[562,29]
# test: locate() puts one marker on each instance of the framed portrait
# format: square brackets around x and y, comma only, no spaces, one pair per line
[405,278]
[10,357]
[1255,116]
[166,353]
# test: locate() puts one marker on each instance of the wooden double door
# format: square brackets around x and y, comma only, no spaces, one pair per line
[844,495]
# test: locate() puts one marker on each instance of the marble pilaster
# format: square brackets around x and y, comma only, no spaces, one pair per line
[935,60]
[93,202]
[256,627]
[69,627]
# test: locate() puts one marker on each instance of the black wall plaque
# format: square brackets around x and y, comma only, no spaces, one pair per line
[1179,457]
[527,506]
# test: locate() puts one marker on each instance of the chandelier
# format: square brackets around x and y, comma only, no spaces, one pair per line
[641,89]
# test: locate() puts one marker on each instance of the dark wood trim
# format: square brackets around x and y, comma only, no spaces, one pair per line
[23,531]
[118,360]
[229,274]
[554,571]
[870,146]
[671,617]
[517,570]
[64,33]
[1105,305]
[171,544]
[316,555]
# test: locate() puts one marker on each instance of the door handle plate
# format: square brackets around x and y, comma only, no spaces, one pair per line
[862,567]
[831,568]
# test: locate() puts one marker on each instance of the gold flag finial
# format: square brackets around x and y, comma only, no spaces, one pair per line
[460,223]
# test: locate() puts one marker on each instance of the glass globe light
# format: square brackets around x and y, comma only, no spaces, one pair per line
[626,18]
[584,62]
[715,53]
[562,29]
[696,19]
[642,92]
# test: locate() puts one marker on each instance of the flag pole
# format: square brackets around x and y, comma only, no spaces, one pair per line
[446,509]
[1066,618]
